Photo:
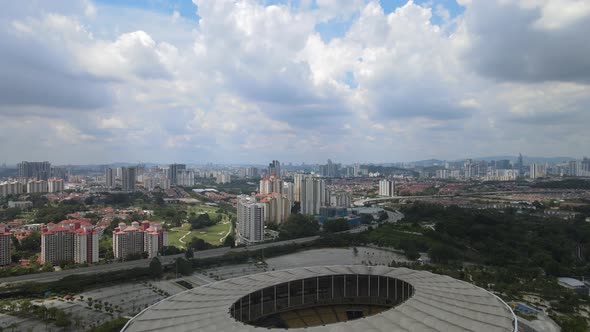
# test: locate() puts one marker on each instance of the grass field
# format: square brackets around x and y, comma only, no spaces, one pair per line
[209,234]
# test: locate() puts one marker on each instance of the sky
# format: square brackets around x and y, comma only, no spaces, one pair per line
[249,81]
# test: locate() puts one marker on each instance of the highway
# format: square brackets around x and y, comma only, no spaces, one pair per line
[369,201]
[166,260]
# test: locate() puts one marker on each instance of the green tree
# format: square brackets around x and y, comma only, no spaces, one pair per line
[189,253]
[335,225]
[297,226]
[155,268]
[229,241]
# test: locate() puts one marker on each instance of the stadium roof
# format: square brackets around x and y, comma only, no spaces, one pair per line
[439,303]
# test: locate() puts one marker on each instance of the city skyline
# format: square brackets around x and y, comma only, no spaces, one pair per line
[292,80]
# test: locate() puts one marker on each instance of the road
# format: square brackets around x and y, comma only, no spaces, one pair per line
[166,260]
[369,201]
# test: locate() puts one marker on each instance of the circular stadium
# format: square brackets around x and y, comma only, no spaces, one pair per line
[331,298]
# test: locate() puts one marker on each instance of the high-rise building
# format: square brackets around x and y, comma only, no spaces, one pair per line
[37,170]
[289,192]
[158,182]
[37,187]
[520,164]
[55,185]
[340,199]
[330,169]
[251,215]
[110,175]
[128,240]
[173,172]
[11,188]
[386,188]
[155,238]
[59,172]
[274,169]
[69,241]
[5,242]
[86,245]
[57,245]
[537,171]
[313,195]
[128,178]
[185,178]
[278,208]
[297,184]
[252,172]
[137,239]
[271,185]
[222,178]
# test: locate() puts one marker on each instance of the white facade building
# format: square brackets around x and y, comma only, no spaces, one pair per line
[313,195]
[55,185]
[386,188]
[251,216]
[37,186]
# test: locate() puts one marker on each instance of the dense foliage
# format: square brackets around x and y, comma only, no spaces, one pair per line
[298,225]
[564,184]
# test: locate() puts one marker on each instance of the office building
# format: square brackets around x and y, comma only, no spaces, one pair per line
[173,172]
[35,170]
[55,185]
[128,178]
[251,215]
[37,187]
[386,188]
[110,175]
[5,243]
[313,195]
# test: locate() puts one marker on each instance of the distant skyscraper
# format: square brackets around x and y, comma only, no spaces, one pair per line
[185,178]
[173,172]
[537,171]
[386,188]
[520,164]
[110,175]
[37,170]
[274,169]
[313,195]
[128,178]
[59,172]
[251,217]
[330,169]
[297,184]
[5,242]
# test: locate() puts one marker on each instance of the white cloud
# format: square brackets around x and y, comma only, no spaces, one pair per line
[250,82]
